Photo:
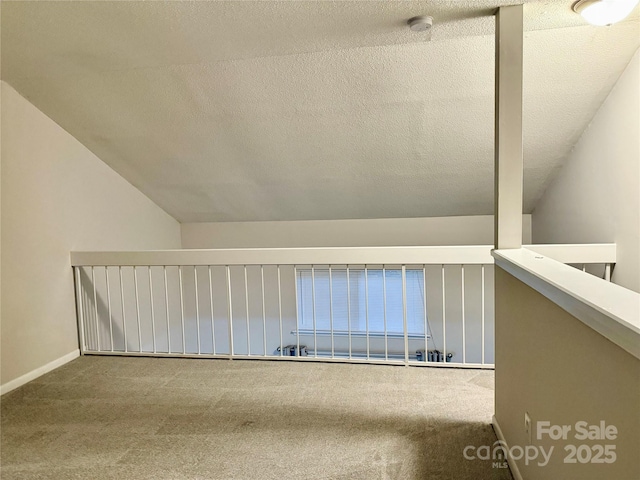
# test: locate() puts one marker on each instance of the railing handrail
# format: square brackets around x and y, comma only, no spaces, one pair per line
[577,253]
[431,255]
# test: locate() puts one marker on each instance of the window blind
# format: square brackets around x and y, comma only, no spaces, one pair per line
[347,299]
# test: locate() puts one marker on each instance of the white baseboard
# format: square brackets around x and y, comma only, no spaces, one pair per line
[512,463]
[38,372]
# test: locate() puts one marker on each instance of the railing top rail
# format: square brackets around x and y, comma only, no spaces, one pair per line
[456,255]
[577,253]
[480,254]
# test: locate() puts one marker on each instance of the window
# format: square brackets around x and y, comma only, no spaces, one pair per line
[359,299]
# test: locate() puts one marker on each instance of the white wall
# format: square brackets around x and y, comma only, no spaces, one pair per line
[57,197]
[471,230]
[596,196]
[556,368]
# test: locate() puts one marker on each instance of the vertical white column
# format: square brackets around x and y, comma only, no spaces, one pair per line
[213,323]
[464,329]
[349,309]
[331,311]
[313,310]
[264,313]
[405,327]
[295,286]
[424,305]
[366,307]
[95,307]
[230,312]
[607,272]
[83,343]
[87,318]
[153,314]
[280,309]
[135,289]
[184,350]
[106,277]
[444,318]
[195,287]
[508,128]
[384,311]
[124,317]
[482,307]
[246,306]
[166,302]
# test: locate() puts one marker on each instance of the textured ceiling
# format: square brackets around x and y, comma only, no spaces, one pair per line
[238,111]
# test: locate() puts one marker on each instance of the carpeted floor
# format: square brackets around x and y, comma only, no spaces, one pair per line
[147,418]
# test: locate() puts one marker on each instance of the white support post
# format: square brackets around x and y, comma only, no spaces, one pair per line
[405,328]
[230,312]
[166,302]
[333,350]
[106,277]
[384,311]
[280,307]
[213,323]
[482,316]
[295,285]
[135,290]
[508,128]
[195,288]
[366,309]
[313,310]
[184,349]
[124,318]
[424,305]
[349,310]
[264,313]
[153,314]
[83,343]
[95,306]
[246,309]
[464,327]
[444,317]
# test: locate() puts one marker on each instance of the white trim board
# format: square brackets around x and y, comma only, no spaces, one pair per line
[476,254]
[458,254]
[38,372]
[513,466]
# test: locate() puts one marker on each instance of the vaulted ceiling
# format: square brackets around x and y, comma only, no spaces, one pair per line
[287,110]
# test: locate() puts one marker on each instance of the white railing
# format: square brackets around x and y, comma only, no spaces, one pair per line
[399,305]
[609,309]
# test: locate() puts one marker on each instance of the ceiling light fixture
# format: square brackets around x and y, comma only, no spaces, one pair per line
[604,12]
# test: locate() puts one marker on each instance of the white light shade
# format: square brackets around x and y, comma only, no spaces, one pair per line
[605,12]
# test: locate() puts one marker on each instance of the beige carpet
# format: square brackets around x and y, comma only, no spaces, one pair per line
[146,418]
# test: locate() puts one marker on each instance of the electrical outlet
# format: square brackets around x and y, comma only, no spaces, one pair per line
[527,426]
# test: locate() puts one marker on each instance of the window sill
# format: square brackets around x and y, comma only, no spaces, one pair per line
[308,332]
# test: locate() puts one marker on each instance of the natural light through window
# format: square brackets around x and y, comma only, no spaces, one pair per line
[361,301]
